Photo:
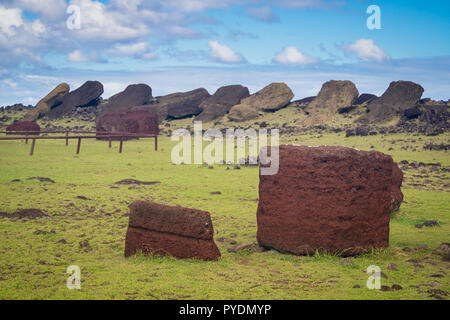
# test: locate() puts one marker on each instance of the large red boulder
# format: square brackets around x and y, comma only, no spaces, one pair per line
[396,192]
[133,121]
[23,126]
[174,231]
[329,199]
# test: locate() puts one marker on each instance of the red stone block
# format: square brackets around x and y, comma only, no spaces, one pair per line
[174,231]
[330,199]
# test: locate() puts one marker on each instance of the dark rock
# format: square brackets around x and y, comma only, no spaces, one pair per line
[334,94]
[134,95]
[134,181]
[42,179]
[400,96]
[86,95]
[51,100]
[331,199]
[270,98]
[221,102]
[365,98]
[165,230]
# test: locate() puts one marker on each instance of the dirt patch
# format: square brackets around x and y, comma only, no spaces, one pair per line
[24,213]
[134,181]
[42,179]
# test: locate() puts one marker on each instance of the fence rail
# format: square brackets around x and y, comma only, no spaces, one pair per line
[33,135]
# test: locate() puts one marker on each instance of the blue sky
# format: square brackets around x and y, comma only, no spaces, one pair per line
[177,45]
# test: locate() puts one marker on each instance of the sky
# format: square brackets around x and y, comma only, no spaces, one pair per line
[180,45]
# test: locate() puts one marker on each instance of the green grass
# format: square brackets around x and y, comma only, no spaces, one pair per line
[34,266]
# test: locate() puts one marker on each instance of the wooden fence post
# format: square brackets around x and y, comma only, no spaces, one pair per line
[67,139]
[32,147]
[156,143]
[120,146]
[79,145]
[109,142]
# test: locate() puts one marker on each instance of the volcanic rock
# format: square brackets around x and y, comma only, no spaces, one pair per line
[86,95]
[400,96]
[270,98]
[330,199]
[133,95]
[165,230]
[242,112]
[334,94]
[51,100]
[133,121]
[221,102]
[365,98]
[179,105]
[23,126]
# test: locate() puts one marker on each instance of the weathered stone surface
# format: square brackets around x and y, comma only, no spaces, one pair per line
[396,192]
[86,95]
[54,98]
[335,94]
[332,199]
[133,121]
[22,126]
[365,98]
[242,112]
[400,96]
[180,105]
[221,102]
[270,98]
[175,231]
[133,95]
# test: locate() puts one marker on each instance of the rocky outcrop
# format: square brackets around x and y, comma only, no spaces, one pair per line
[133,121]
[270,98]
[335,94]
[51,100]
[330,199]
[133,95]
[179,105]
[23,126]
[86,95]
[221,102]
[365,98]
[242,112]
[174,231]
[396,192]
[400,96]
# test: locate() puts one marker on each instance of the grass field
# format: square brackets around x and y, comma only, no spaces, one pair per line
[33,264]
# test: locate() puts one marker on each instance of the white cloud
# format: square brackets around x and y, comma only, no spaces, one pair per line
[366,50]
[223,53]
[291,56]
[77,56]
[10,20]
[264,13]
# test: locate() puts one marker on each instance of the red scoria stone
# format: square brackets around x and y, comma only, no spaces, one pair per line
[133,121]
[28,126]
[174,231]
[330,199]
